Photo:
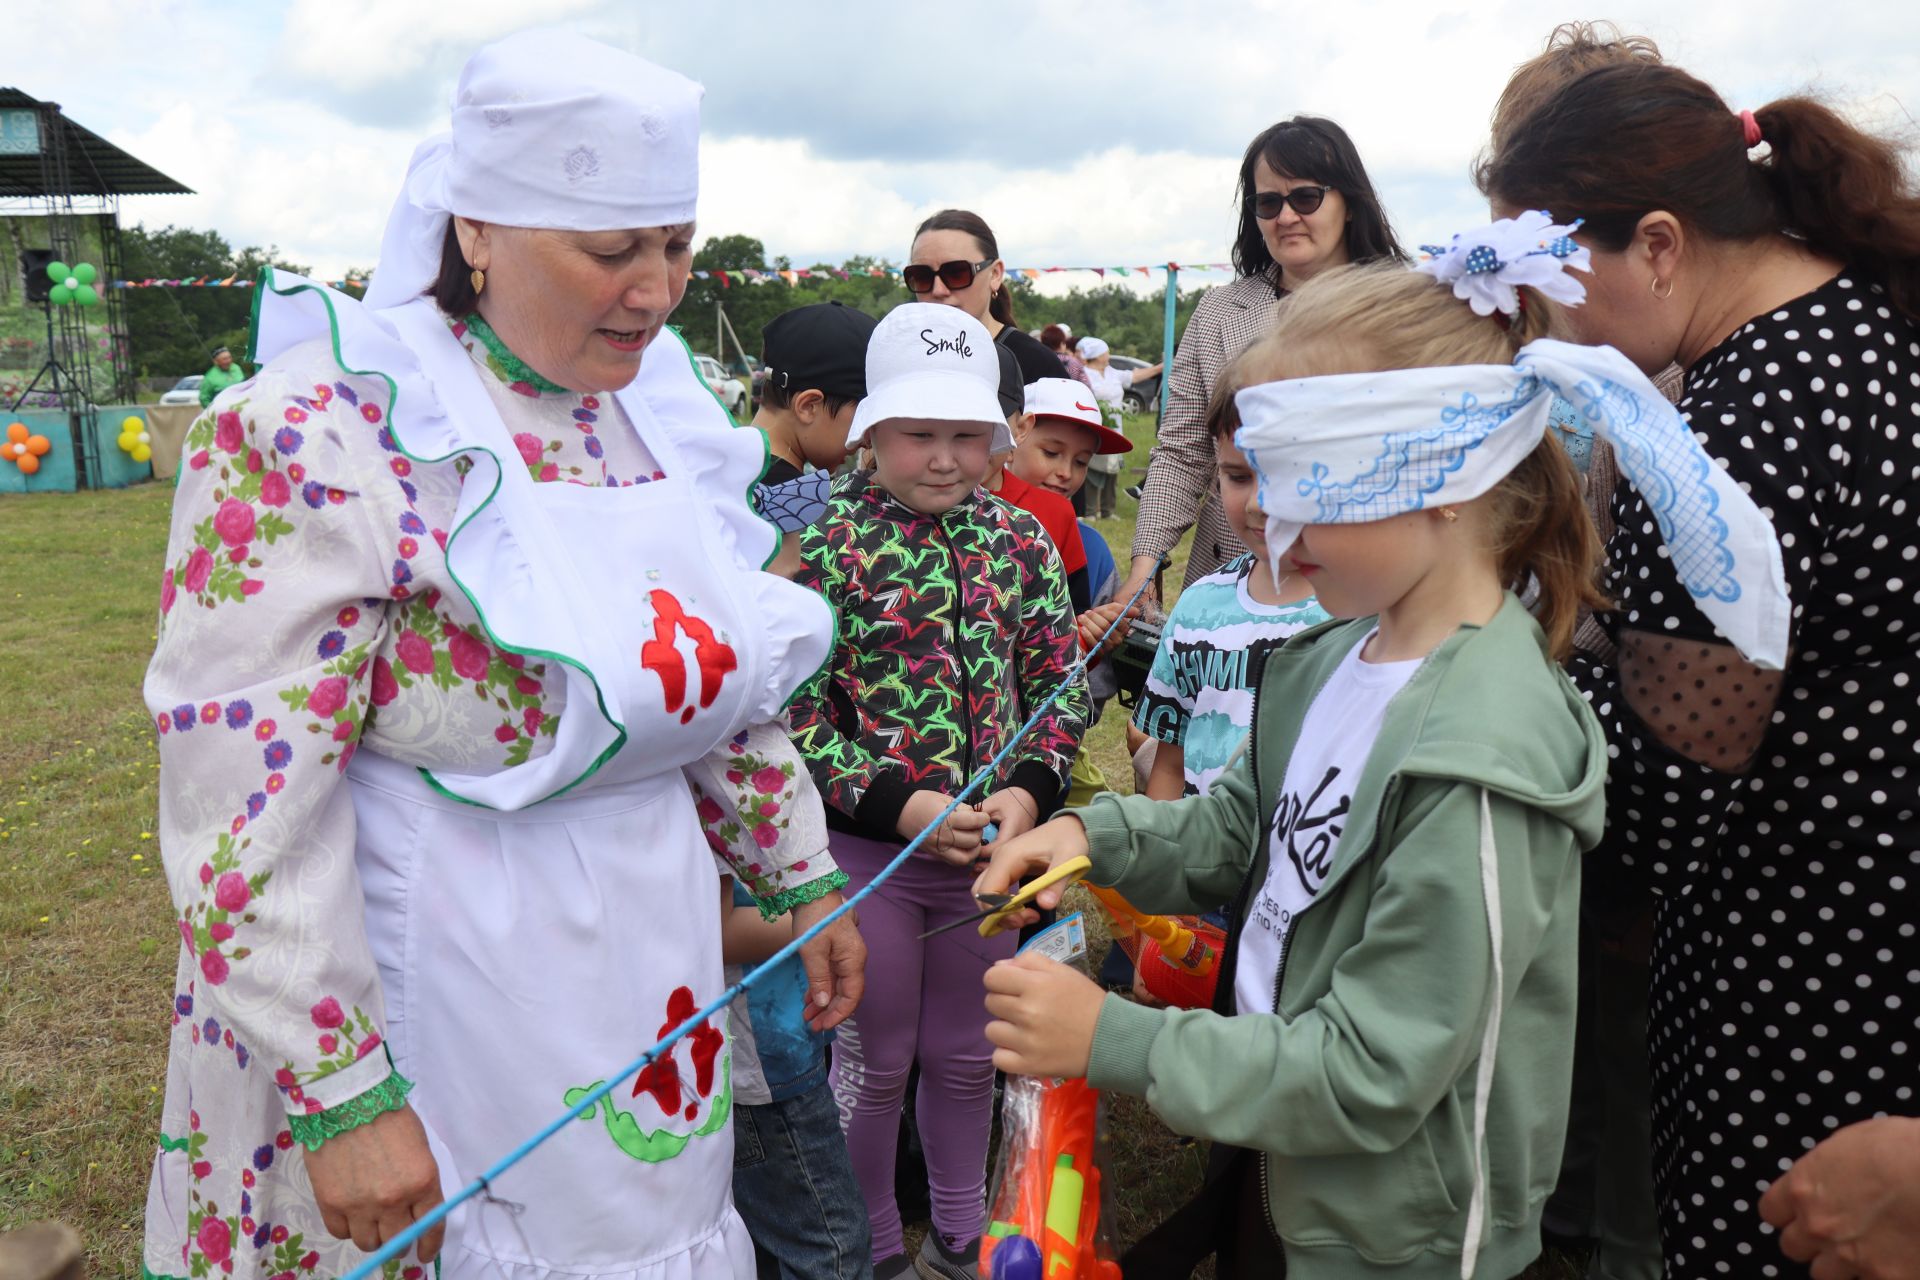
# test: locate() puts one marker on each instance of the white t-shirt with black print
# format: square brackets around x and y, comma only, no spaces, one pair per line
[1335,740]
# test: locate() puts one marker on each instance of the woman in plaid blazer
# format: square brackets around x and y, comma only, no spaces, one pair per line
[1306,204]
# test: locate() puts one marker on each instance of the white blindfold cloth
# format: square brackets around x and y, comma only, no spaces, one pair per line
[551,131]
[1354,448]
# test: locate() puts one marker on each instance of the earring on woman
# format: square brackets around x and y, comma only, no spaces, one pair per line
[1450,514]
[479,279]
[1653,287]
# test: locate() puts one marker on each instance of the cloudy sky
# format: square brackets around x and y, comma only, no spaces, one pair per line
[1085,133]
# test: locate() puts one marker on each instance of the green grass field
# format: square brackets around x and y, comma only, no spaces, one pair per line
[87,942]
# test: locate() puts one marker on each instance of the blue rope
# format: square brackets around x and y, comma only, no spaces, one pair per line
[398,1245]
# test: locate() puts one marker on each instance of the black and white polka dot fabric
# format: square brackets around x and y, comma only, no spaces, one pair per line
[1786,971]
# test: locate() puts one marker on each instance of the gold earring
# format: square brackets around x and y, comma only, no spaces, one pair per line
[479,279]
[1450,514]
[1653,287]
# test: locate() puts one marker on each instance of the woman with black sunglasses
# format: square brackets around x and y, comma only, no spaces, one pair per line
[955,261]
[1306,204]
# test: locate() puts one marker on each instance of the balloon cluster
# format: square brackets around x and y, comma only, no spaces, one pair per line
[23,448]
[135,441]
[72,284]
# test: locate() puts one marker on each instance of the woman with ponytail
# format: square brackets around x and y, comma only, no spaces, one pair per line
[955,261]
[1775,255]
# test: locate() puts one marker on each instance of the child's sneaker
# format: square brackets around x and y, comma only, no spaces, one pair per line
[937,1262]
[898,1267]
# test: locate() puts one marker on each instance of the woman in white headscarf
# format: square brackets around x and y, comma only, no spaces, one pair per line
[446,743]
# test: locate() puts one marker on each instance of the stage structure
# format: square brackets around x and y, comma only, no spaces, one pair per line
[64,175]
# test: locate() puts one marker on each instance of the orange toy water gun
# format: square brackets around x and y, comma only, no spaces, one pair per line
[1179,945]
[1047,1210]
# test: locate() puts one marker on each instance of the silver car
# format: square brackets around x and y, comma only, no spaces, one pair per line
[729,390]
[185,391]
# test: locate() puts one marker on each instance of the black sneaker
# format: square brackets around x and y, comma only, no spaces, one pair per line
[1134,491]
[937,1262]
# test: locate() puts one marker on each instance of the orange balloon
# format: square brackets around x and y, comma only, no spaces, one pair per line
[30,464]
[38,444]
[17,432]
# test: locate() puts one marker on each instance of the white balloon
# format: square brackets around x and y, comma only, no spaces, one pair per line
[72,282]
[144,438]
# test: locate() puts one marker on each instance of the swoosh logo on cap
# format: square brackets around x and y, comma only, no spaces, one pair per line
[1084,408]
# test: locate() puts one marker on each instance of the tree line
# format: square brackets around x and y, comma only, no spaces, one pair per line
[1129,323]
[174,332]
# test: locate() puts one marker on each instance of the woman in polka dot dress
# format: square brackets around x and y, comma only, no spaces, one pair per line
[1775,255]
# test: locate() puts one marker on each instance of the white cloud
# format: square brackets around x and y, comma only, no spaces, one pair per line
[1084,134]
[281,174]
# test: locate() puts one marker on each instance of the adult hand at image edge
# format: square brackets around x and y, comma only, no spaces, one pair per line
[1851,1206]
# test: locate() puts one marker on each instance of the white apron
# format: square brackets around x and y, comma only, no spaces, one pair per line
[537,929]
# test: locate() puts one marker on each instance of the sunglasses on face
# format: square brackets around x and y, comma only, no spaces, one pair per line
[956,275]
[1304,200]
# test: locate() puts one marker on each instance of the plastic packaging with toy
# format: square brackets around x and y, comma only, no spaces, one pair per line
[1048,1216]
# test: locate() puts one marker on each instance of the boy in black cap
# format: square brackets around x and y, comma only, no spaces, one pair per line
[816,360]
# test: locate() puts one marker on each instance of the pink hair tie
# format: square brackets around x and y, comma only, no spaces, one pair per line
[1750,128]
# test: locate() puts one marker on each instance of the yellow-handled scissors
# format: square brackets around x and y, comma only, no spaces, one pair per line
[1001,905]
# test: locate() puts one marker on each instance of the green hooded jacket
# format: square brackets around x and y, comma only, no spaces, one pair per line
[1409,1098]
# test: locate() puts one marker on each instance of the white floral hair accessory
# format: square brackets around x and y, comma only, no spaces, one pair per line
[1487,265]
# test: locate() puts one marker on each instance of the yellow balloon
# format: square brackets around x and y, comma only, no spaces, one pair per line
[132,423]
[142,453]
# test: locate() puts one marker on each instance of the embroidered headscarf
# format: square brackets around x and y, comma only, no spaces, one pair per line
[1353,448]
[550,130]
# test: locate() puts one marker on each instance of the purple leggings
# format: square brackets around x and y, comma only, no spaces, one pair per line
[924,1001]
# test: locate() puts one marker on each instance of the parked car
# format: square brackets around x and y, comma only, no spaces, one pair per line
[185,391]
[1144,395]
[730,391]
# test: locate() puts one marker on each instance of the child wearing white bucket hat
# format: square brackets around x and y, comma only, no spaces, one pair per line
[953,620]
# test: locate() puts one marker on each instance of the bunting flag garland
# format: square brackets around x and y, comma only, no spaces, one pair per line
[790,276]
[218,282]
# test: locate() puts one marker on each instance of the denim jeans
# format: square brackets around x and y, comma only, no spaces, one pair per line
[793,1184]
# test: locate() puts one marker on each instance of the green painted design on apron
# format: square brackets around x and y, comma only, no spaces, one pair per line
[661,1144]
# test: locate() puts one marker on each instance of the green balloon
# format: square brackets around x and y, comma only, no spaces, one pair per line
[60,295]
[58,271]
[85,273]
[86,297]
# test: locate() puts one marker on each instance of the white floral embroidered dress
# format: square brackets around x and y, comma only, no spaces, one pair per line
[307,609]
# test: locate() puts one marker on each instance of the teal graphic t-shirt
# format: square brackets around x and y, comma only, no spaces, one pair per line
[1197,694]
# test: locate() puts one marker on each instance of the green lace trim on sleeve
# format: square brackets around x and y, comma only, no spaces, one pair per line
[312,1130]
[772,908]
